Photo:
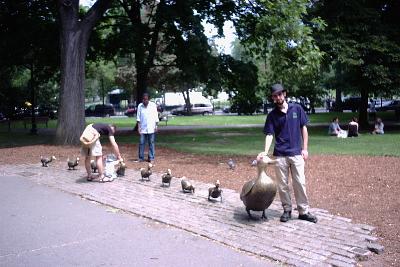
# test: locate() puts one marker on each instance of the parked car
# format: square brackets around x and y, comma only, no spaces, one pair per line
[304,102]
[352,103]
[47,111]
[200,108]
[100,110]
[40,111]
[131,111]
[392,105]
[226,109]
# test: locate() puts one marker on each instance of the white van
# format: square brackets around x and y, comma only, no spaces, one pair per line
[197,108]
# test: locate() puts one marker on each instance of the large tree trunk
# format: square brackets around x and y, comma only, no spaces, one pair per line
[74,36]
[338,101]
[71,118]
[186,97]
[363,110]
[141,81]
[144,53]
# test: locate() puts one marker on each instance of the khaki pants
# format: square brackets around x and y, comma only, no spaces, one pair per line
[295,165]
[95,150]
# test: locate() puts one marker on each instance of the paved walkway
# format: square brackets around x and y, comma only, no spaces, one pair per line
[45,227]
[333,241]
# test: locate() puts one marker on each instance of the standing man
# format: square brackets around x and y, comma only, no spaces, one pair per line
[96,150]
[147,119]
[287,121]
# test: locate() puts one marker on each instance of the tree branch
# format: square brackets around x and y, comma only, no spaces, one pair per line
[95,13]
[154,37]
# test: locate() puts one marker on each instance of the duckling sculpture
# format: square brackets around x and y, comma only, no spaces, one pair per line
[259,193]
[146,172]
[186,185]
[231,163]
[166,178]
[93,166]
[72,163]
[215,192]
[46,161]
[253,163]
[121,168]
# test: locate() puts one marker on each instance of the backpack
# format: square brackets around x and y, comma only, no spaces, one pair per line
[89,136]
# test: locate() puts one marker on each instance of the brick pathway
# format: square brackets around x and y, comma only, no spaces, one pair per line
[333,240]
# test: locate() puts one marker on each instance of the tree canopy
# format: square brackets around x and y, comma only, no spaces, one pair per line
[354,45]
[362,41]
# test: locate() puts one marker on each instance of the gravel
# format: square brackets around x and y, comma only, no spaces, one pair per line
[365,189]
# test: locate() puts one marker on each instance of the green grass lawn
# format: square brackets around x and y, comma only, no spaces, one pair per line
[232,141]
[235,120]
[250,141]
[210,120]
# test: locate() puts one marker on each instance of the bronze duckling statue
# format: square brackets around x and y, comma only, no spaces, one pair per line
[145,173]
[186,185]
[215,192]
[231,164]
[72,163]
[259,193]
[46,161]
[121,168]
[93,166]
[166,178]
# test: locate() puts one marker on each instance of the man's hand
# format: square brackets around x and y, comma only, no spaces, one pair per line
[304,153]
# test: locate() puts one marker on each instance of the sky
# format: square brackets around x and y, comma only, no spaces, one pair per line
[223,44]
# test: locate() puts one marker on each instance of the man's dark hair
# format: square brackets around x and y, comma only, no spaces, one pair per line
[146,94]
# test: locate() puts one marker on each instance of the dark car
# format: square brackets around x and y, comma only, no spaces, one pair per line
[47,111]
[131,111]
[100,110]
[392,105]
[352,103]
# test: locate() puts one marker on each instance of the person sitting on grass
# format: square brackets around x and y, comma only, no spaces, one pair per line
[378,129]
[353,128]
[334,128]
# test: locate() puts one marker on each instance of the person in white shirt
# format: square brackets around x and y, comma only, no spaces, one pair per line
[147,119]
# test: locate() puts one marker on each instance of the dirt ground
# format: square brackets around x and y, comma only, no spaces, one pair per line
[365,189]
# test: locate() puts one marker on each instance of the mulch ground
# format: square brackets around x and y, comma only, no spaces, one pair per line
[365,189]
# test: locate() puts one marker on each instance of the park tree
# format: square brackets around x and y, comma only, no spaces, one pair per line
[75,31]
[28,52]
[277,36]
[362,40]
[157,30]
[239,79]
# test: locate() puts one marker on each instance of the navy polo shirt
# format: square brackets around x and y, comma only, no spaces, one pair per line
[286,127]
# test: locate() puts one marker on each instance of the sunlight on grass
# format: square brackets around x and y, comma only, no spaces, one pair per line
[231,141]
[250,141]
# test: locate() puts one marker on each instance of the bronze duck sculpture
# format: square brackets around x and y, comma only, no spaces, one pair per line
[72,163]
[258,194]
[93,166]
[186,185]
[121,168]
[46,161]
[166,178]
[215,192]
[145,173]
[231,164]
